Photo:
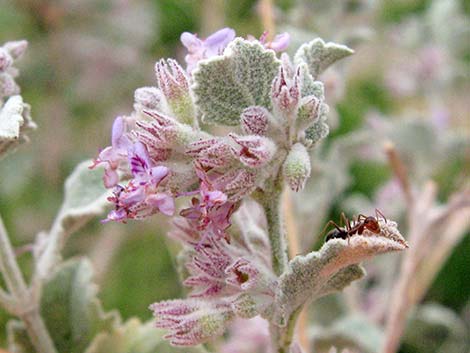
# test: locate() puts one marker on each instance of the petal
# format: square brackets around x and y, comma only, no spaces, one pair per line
[190,41]
[163,202]
[110,177]
[158,173]
[280,42]
[217,41]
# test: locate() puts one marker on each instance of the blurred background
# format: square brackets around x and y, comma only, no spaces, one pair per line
[409,80]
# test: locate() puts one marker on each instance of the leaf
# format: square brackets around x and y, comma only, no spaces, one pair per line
[11,118]
[354,332]
[135,337]
[70,309]
[225,85]
[331,269]
[319,55]
[15,119]
[85,194]
[85,197]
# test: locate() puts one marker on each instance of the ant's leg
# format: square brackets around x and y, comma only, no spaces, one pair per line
[346,221]
[377,213]
[347,224]
[330,222]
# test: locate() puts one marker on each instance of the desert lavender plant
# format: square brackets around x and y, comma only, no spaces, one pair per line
[276,111]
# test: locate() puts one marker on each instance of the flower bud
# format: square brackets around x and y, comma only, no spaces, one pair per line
[191,322]
[309,111]
[254,120]
[5,59]
[248,305]
[147,98]
[253,151]
[286,91]
[174,84]
[16,48]
[296,168]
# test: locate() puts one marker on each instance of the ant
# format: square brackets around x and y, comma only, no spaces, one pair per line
[358,226]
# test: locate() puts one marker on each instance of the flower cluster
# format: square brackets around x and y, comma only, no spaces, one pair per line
[159,153]
[228,279]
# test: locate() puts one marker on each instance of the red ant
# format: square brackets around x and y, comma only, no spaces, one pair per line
[362,222]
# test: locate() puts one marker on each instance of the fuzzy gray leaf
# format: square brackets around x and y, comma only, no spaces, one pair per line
[14,121]
[226,85]
[70,309]
[319,55]
[331,268]
[318,131]
[85,195]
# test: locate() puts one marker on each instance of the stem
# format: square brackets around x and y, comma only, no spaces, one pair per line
[9,267]
[294,250]
[21,301]
[272,207]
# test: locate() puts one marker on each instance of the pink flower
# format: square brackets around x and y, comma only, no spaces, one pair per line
[112,156]
[140,197]
[211,212]
[202,49]
[278,44]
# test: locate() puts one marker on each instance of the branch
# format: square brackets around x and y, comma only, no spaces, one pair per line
[22,302]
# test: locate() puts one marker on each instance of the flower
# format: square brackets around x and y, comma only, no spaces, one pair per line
[140,197]
[113,155]
[211,212]
[202,49]
[278,44]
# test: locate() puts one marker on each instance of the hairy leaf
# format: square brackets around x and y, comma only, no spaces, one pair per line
[11,119]
[71,311]
[331,268]
[14,120]
[226,85]
[319,55]
[85,195]
[135,337]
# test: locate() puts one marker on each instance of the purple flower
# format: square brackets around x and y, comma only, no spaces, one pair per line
[112,156]
[202,49]
[211,212]
[141,196]
[278,44]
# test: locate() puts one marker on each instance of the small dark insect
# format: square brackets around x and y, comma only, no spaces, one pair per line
[358,226]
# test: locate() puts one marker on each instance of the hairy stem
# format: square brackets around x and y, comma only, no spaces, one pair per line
[294,250]
[9,267]
[22,303]
[272,207]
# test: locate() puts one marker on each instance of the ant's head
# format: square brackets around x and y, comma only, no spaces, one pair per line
[372,224]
